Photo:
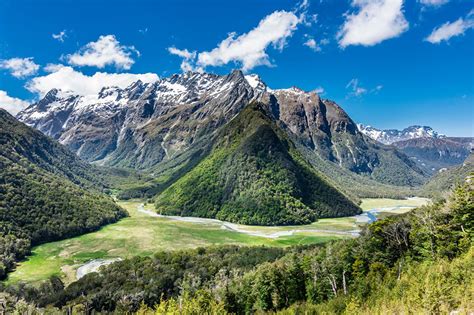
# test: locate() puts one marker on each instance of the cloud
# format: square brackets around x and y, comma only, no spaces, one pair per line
[188,57]
[11,104]
[356,89]
[105,51]
[52,67]
[375,21]
[450,29]
[315,46]
[311,43]
[319,90]
[249,49]
[60,36]
[68,79]
[20,67]
[434,3]
[143,31]
[378,87]
[183,53]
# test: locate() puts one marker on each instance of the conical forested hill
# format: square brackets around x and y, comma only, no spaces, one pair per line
[42,194]
[254,175]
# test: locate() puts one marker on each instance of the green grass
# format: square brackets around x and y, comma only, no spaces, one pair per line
[141,234]
[372,203]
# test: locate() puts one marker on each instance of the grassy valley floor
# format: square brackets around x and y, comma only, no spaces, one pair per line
[143,234]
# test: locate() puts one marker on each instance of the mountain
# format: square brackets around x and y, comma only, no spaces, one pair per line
[254,175]
[430,150]
[445,179]
[145,123]
[326,132]
[390,136]
[433,154]
[165,127]
[46,192]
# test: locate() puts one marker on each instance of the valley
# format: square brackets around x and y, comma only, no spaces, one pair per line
[143,233]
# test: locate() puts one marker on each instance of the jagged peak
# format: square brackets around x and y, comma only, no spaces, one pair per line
[293,90]
[389,136]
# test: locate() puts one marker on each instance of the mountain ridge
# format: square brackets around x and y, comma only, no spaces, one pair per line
[147,126]
[254,175]
[390,136]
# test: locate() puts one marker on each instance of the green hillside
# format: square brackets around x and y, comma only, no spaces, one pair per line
[254,175]
[447,179]
[41,193]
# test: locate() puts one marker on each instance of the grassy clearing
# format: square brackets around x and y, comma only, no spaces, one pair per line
[373,203]
[141,234]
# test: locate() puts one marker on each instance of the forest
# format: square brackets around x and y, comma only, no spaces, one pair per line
[379,272]
[46,193]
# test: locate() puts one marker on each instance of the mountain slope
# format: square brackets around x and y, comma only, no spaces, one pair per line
[153,126]
[327,132]
[41,197]
[432,154]
[254,175]
[446,179]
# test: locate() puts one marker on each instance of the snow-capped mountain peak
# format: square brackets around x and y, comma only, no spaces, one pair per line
[255,82]
[389,136]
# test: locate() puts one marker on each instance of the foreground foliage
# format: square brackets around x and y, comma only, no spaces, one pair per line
[419,262]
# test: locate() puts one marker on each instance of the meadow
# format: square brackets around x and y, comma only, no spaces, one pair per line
[143,234]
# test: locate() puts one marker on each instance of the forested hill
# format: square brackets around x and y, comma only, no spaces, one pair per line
[34,148]
[254,175]
[448,178]
[42,194]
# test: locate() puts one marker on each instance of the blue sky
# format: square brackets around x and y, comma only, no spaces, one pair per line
[388,63]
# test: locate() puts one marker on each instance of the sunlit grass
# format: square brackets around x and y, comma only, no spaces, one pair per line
[141,234]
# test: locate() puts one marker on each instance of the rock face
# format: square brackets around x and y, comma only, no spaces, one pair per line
[146,125]
[433,154]
[390,136]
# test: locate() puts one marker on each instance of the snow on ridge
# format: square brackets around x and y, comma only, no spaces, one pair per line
[390,136]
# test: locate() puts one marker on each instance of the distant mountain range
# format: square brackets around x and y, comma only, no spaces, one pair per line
[166,127]
[389,136]
[430,150]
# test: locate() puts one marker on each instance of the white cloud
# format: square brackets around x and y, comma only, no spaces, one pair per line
[68,79]
[11,104]
[249,49]
[319,90]
[434,3]
[60,36]
[105,51]
[52,67]
[183,53]
[375,21]
[188,57]
[20,67]
[313,44]
[450,29]
[356,89]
